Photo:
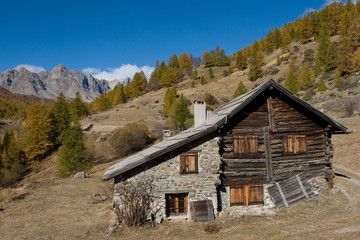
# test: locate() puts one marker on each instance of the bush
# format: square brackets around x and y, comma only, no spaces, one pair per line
[209,99]
[10,176]
[133,202]
[309,94]
[131,138]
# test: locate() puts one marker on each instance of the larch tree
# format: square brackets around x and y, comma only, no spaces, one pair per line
[291,82]
[169,99]
[118,95]
[39,132]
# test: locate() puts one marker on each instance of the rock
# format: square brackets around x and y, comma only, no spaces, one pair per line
[158,219]
[112,229]
[80,175]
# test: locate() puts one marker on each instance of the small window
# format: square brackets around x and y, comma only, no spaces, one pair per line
[176,204]
[245,144]
[189,162]
[246,195]
[294,144]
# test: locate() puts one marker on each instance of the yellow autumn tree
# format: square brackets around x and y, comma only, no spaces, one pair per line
[39,132]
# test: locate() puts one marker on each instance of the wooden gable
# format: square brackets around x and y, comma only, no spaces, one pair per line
[288,141]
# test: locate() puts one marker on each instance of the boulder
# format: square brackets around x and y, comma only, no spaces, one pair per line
[80,175]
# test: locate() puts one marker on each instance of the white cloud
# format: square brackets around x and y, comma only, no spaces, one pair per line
[126,70]
[90,70]
[31,68]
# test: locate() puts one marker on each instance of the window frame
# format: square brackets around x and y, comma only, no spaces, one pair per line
[176,204]
[298,141]
[246,146]
[182,157]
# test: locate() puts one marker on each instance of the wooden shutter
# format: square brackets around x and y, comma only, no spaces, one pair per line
[189,162]
[299,144]
[237,196]
[245,144]
[294,143]
[256,195]
[192,162]
[252,142]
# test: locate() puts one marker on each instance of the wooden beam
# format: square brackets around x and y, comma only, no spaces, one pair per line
[268,162]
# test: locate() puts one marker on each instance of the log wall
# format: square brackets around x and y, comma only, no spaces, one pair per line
[271,119]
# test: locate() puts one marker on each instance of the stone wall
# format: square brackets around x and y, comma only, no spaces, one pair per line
[168,180]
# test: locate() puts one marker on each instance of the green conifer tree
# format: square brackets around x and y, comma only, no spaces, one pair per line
[211,73]
[278,61]
[321,86]
[61,116]
[179,112]
[195,75]
[240,90]
[192,84]
[338,80]
[78,108]
[230,70]
[73,156]
[202,80]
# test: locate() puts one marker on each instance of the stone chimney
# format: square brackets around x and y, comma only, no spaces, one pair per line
[199,113]
[166,134]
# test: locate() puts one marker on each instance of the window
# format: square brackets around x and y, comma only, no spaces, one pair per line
[189,162]
[176,204]
[245,144]
[294,144]
[246,195]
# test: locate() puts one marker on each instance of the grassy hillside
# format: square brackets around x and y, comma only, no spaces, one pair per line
[53,208]
[14,105]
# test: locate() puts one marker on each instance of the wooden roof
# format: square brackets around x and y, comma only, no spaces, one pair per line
[220,117]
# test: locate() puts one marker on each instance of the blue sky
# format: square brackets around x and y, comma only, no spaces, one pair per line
[113,39]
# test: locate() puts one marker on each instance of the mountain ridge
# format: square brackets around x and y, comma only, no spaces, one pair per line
[47,84]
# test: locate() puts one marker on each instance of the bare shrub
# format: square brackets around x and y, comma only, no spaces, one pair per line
[131,138]
[309,94]
[212,228]
[133,201]
[350,108]
[210,99]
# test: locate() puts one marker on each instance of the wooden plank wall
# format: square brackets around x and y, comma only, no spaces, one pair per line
[280,119]
[293,190]
[251,167]
[287,120]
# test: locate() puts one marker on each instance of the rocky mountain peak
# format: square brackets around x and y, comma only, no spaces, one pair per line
[50,84]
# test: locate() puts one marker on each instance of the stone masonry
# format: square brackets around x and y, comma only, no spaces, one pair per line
[168,180]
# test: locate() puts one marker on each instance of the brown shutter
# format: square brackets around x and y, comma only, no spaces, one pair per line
[192,162]
[237,196]
[252,144]
[242,144]
[182,163]
[236,144]
[256,195]
[300,144]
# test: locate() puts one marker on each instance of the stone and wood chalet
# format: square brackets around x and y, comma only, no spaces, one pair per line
[232,157]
